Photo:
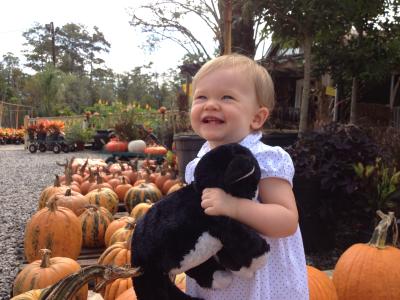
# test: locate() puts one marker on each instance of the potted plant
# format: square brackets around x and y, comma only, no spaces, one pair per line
[79,135]
[324,180]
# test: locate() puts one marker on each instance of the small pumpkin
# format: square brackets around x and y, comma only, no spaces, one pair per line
[29,295]
[320,286]
[137,146]
[55,228]
[122,188]
[141,193]
[104,197]
[124,233]
[176,187]
[115,145]
[155,150]
[118,254]
[372,270]
[140,210]
[129,294]
[50,191]
[117,287]
[114,226]
[72,200]
[94,221]
[45,272]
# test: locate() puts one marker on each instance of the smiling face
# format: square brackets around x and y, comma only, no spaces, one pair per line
[225,108]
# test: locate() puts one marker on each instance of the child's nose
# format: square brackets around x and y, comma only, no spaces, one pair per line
[211,103]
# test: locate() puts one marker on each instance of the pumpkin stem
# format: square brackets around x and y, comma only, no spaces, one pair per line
[45,263]
[52,204]
[92,206]
[57,181]
[67,287]
[68,192]
[379,235]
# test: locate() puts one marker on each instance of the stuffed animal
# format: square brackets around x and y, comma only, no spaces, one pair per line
[176,235]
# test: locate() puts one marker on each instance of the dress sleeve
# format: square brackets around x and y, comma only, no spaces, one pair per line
[189,170]
[276,162]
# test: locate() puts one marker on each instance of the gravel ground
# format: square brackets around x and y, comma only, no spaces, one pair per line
[22,177]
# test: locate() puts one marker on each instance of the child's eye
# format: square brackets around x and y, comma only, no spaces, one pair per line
[200,97]
[227,97]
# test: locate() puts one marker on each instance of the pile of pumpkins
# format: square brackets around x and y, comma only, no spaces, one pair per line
[78,211]
[135,146]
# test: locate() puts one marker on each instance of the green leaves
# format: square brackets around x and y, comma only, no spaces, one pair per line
[377,183]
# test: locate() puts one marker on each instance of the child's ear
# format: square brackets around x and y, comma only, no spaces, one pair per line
[259,118]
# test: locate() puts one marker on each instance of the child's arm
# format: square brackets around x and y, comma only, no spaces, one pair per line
[275,216]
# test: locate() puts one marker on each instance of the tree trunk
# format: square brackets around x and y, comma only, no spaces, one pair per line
[306,85]
[354,98]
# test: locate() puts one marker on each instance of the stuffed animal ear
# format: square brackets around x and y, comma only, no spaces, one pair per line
[242,176]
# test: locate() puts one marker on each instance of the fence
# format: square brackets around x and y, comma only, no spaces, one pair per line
[12,115]
[396,117]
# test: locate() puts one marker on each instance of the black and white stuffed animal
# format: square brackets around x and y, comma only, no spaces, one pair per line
[177,236]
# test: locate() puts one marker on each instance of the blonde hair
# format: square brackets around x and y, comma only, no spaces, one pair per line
[263,84]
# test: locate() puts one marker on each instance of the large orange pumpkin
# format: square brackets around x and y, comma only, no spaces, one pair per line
[94,222]
[372,270]
[320,286]
[142,193]
[104,197]
[45,272]
[54,228]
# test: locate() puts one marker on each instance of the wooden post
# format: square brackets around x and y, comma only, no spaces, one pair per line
[17,118]
[228,27]
[26,124]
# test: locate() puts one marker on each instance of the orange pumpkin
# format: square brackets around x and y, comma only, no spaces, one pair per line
[104,197]
[114,226]
[175,187]
[141,193]
[117,287]
[320,286]
[72,200]
[155,150]
[372,270]
[124,233]
[118,254]
[54,228]
[140,210]
[94,222]
[29,295]
[129,294]
[122,188]
[45,272]
[115,145]
[50,191]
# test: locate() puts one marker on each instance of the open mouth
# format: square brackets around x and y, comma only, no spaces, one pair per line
[214,120]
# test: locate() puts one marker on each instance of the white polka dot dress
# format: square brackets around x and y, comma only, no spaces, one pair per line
[284,277]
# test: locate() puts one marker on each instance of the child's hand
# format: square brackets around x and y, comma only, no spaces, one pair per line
[216,202]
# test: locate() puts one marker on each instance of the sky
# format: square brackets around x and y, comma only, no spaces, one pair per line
[111,17]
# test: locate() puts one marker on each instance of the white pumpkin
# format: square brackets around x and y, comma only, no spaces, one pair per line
[136,146]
